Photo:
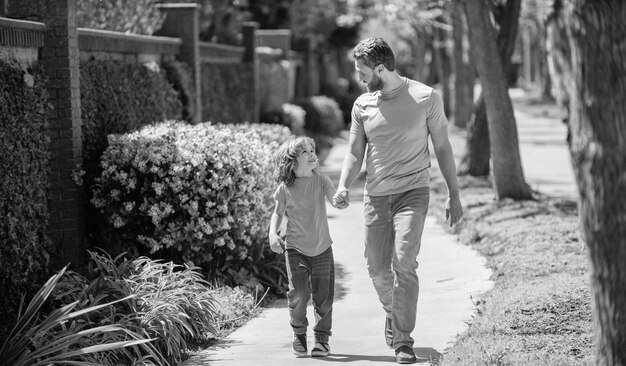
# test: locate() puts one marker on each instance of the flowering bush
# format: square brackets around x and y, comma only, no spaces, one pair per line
[294,117]
[203,190]
[268,133]
[323,116]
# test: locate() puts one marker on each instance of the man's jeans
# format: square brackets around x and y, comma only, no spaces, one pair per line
[393,232]
[311,276]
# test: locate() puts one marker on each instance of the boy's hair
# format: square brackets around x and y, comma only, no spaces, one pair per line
[286,155]
[373,52]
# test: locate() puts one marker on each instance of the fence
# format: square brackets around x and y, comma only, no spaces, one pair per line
[56,42]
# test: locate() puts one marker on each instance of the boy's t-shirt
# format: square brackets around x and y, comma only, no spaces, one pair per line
[396,125]
[305,209]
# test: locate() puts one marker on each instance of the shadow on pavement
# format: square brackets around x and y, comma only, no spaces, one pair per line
[423,354]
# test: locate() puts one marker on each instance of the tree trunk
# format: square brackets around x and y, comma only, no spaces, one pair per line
[507,16]
[463,72]
[507,165]
[442,65]
[597,90]
[475,162]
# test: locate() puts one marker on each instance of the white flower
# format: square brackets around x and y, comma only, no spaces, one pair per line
[129,206]
[118,222]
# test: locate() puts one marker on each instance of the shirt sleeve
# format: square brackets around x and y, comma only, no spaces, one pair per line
[356,126]
[279,195]
[436,115]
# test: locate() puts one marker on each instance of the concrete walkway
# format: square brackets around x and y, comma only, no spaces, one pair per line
[449,274]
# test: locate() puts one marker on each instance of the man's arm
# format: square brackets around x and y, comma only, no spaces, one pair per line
[445,158]
[351,166]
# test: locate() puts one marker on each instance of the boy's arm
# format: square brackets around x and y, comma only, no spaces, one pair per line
[330,191]
[276,243]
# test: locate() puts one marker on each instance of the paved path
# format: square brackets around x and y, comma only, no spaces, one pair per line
[449,274]
[543,149]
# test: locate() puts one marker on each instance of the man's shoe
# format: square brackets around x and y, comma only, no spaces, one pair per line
[320,350]
[388,333]
[405,354]
[299,345]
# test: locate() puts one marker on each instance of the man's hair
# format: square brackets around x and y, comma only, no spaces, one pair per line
[285,159]
[373,52]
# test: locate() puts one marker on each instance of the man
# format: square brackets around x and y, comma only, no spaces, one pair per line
[393,121]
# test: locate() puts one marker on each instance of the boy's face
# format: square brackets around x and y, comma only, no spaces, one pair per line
[307,158]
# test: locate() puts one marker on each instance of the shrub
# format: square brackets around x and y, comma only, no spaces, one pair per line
[275,77]
[119,97]
[323,121]
[289,115]
[179,75]
[25,249]
[294,117]
[268,133]
[67,335]
[168,303]
[228,93]
[138,16]
[201,190]
[323,116]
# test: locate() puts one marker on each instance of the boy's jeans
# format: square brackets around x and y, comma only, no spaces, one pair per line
[393,232]
[311,276]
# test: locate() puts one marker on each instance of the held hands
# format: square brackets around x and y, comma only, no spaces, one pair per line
[276,243]
[341,199]
[454,210]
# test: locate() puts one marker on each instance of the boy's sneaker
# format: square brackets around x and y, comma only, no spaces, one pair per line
[321,349]
[299,345]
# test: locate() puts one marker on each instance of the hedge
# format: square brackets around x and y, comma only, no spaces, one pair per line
[25,249]
[228,93]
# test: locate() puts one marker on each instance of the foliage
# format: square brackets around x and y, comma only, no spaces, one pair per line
[323,116]
[180,76]
[289,115]
[221,21]
[63,337]
[25,248]
[323,120]
[274,83]
[315,18]
[202,191]
[171,303]
[138,16]
[294,117]
[228,93]
[236,305]
[119,97]
[344,92]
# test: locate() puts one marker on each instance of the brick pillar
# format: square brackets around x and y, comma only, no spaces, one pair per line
[60,59]
[250,43]
[182,21]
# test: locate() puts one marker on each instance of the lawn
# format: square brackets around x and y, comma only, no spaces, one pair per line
[539,310]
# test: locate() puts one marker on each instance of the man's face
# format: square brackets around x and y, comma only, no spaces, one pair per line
[368,76]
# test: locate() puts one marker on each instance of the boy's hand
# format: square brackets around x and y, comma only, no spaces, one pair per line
[276,243]
[341,199]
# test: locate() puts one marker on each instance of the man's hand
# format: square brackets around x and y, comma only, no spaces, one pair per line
[454,210]
[276,243]
[341,199]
